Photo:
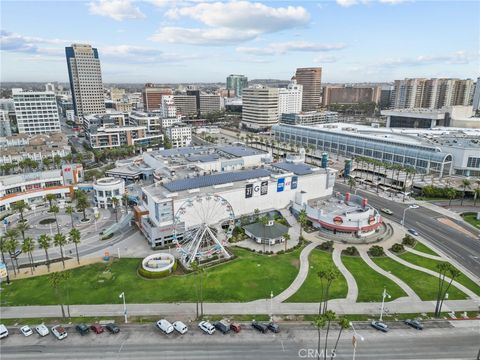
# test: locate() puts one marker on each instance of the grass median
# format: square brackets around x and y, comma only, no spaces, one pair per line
[370,283]
[310,291]
[248,277]
[432,265]
[424,249]
[425,285]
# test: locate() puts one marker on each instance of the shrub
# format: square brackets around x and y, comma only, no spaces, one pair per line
[327,245]
[398,248]
[350,251]
[376,250]
[409,241]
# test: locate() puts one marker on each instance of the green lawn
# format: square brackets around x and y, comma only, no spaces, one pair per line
[310,290]
[251,276]
[432,265]
[370,283]
[471,218]
[424,248]
[424,285]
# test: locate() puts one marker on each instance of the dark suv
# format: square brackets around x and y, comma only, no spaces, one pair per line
[260,327]
[222,326]
[112,328]
[82,329]
[273,327]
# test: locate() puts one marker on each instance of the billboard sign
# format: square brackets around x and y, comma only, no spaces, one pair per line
[264,188]
[256,189]
[280,184]
[248,190]
[294,183]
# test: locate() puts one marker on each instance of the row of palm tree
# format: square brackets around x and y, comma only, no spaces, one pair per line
[47,163]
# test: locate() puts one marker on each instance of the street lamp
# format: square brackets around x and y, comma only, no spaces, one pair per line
[122,296]
[384,295]
[271,305]
[354,339]
[404,211]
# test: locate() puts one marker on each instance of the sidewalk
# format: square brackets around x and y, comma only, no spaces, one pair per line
[251,308]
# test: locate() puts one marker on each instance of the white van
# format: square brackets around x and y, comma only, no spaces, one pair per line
[165,326]
[180,327]
[3,331]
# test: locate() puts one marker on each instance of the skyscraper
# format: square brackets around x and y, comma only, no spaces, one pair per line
[85,79]
[260,107]
[476,96]
[237,83]
[311,79]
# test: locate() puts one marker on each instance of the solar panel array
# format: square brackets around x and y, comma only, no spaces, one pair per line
[216,179]
[203,158]
[297,169]
[238,151]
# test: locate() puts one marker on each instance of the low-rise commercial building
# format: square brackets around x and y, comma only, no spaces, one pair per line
[310,118]
[107,188]
[180,134]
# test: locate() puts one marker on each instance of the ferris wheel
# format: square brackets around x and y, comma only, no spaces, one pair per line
[202,227]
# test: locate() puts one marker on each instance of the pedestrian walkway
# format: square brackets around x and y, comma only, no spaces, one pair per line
[459,286]
[408,290]
[420,253]
[352,284]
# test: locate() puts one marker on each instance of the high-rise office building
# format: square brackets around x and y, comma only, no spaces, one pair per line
[85,79]
[311,80]
[290,99]
[186,104]
[237,83]
[152,96]
[432,93]
[260,107]
[36,111]
[476,96]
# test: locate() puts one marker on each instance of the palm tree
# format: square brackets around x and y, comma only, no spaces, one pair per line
[476,193]
[46,162]
[115,203]
[329,317]
[60,240]
[57,160]
[75,238]
[27,248]
[286,237]
[82,203]
[302,219]
[125,201]
[3,248]
[11,246]
[465,185]
[55,210]
[344,324]
[56,279]
[451,194]
[453,273]
[319,323]
[50,198]
[70,210]
[22,227]
[352,182]
[20,206]
[327,277]
[44,244]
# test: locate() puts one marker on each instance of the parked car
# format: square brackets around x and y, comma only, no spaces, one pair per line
[59,332]
[165,326]
[97,328]
[260,327]
[16,253]
[26,330]
[413,232]
[235,327]
[3,331]
[207,327]
[379,325]
[273,327]
[180,327]
[414,206]
[42,330]
[112,328]
[222,326]
[414,323]
[82,329]
[387,211]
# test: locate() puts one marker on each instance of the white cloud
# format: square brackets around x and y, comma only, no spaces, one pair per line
[215,37]
[140,54]
[458,57]
[282,48]
[348,3]
[323,59]
[116,9]
[10,41]
[228,22]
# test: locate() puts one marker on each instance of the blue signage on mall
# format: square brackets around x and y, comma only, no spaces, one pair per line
[294,183]
[280,184]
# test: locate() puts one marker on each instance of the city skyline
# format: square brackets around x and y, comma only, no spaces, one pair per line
[193,41]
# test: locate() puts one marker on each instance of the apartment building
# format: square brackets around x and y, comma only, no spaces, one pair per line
[179,134]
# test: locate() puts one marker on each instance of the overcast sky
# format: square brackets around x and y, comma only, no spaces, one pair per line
[204,41]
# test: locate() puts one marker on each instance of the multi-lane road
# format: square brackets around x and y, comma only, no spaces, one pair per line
[458,245]
[295,341]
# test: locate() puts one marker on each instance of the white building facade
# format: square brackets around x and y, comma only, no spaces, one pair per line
[36,111]
[106,189]
[179,134]
[290,99]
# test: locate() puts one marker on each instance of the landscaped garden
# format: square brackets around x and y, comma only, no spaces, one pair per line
[432,265]
[248,277]
[425,285]
[424,249]
[370,283]
[310,291]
